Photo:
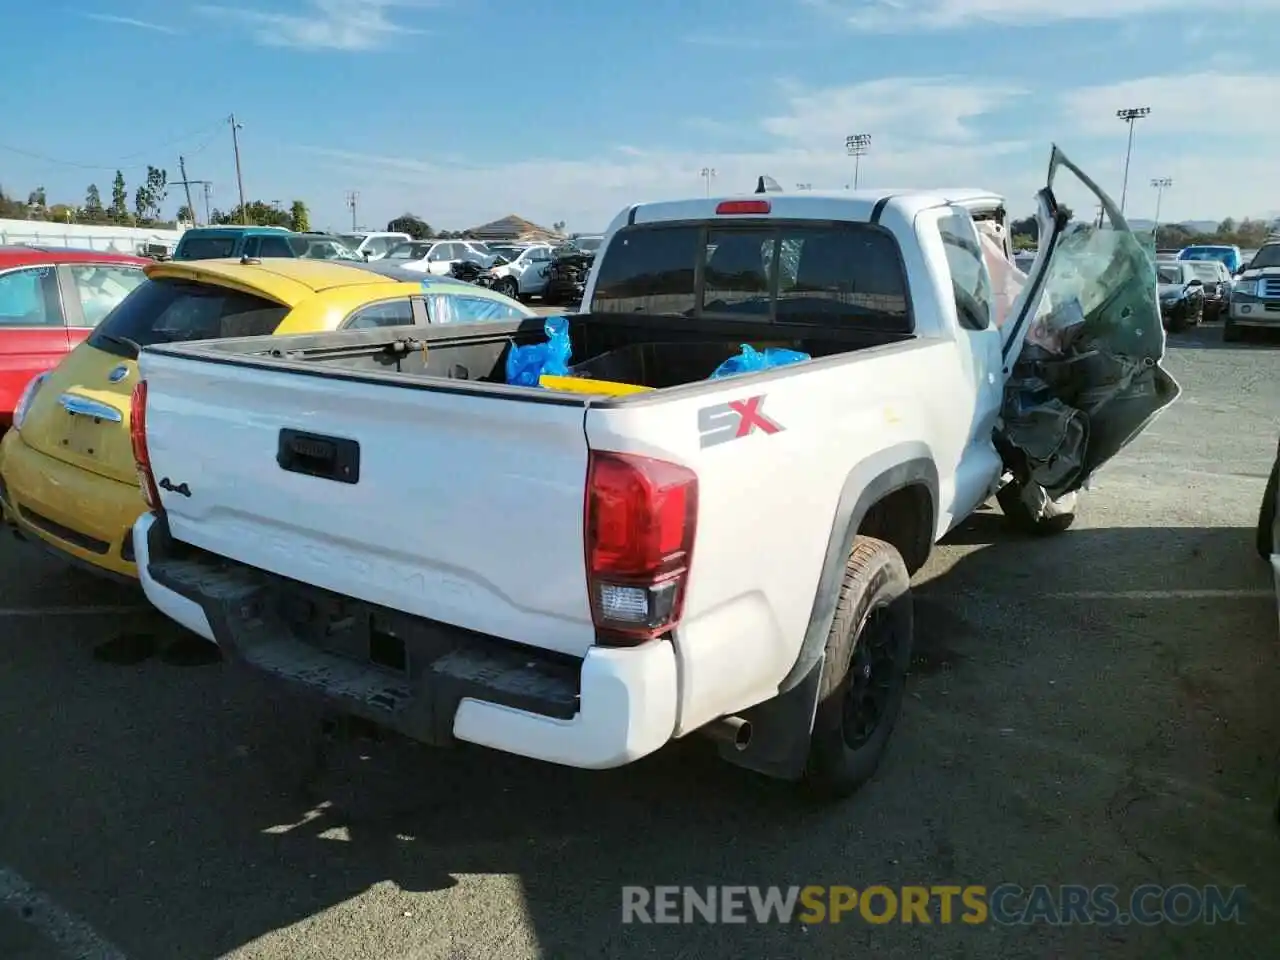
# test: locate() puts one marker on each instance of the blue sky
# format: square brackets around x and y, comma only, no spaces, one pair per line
[462,111]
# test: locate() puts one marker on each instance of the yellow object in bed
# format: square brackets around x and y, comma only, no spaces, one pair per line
[582,385]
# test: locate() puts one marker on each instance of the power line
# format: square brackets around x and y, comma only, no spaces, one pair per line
[123,162]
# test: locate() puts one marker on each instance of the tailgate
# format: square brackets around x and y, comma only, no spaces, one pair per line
[460,508]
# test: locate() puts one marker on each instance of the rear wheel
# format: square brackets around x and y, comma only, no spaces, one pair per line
[1178,318]
[864,675]
[1028,508]
[508,287]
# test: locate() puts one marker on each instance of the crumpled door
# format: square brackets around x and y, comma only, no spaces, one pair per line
[1083,352]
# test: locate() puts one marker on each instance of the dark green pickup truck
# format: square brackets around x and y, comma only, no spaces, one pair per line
[212,243]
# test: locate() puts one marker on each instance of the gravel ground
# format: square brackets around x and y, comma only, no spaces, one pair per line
[1096,708]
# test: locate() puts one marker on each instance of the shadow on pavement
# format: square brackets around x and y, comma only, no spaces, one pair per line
[1097,707]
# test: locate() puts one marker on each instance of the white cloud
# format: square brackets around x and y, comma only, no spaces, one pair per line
[936,109]
[926,132]
[351,25]
[891,16]
[804,144]
[131,22]
[1230,104]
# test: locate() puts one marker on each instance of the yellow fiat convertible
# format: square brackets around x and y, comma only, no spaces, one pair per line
[67,475]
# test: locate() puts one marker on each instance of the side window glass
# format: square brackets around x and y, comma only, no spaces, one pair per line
[439,252]
[101,287]
[29,298]
[394,313]
[273,247]
[454,309]
[970,282]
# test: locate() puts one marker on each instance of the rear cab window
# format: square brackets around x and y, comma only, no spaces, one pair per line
[171,310]
[806,272]
[205,248]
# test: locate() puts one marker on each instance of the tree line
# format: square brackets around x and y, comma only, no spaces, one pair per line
[1246,233]
[145,210]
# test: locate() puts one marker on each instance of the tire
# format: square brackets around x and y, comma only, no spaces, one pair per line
[1177,319]
[1230,332]
[549,299]
[1021,517]
[508,287]
[1267,515]
[1197,317]
[868,653]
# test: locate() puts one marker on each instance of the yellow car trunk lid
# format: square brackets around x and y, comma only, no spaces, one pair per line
[81,414]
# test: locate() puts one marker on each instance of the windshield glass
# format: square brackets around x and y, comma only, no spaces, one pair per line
[324,248]
[353,239]
[589,244]
[1221,254]
[1206,270]
[1266,257]
[1169,274]
[846,274]
[167,310]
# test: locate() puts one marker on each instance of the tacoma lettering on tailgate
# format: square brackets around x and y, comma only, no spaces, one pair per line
[723,422]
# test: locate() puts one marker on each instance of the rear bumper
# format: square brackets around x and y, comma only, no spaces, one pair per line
[80,515]
[427,680]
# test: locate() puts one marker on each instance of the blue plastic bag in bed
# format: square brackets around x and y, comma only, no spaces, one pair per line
[526,364]
[751,360]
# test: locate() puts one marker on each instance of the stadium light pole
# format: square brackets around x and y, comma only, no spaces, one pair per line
[707,173]
[1161,184]
[1130,116]
[856,145]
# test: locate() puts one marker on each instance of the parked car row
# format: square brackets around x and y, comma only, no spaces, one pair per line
[67,474]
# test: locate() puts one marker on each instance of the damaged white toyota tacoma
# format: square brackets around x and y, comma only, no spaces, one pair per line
[378,518]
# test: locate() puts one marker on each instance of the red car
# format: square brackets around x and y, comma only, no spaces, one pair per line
[51,298]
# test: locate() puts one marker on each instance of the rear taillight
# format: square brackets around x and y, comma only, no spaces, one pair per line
[640,520]
[138,438]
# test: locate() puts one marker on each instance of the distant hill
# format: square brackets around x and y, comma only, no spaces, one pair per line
[1195,226]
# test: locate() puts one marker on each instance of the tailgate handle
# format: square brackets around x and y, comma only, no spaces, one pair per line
[315,455]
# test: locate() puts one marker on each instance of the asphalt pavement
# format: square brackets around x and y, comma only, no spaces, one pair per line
[1095,708]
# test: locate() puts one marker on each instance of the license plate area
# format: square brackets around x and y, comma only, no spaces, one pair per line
[83,436]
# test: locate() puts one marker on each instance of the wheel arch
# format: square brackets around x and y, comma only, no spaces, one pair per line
[903,467]
[783,723]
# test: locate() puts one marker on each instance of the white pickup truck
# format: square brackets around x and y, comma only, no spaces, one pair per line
[378,518]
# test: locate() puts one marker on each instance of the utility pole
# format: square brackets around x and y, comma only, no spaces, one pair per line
[856,145]
[707,174]
[235,145]
[186,183]
[1129,116]
[1161,184]
[353,196]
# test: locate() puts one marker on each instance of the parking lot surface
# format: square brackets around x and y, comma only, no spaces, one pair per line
[1099,707]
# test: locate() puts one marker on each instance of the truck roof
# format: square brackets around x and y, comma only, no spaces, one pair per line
[854,205]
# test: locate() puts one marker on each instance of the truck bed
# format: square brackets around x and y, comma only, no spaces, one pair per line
[454,497]
[657,352]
